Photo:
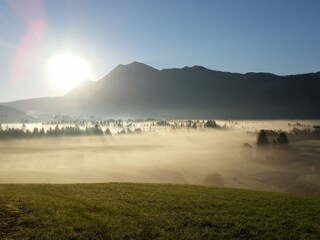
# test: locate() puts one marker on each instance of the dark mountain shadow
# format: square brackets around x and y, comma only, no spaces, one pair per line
[138,90]
[9,115]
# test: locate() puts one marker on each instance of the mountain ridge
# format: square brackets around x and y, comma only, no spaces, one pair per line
[139,90]
[9,115]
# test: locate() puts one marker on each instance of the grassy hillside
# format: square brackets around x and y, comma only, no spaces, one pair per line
[153,211]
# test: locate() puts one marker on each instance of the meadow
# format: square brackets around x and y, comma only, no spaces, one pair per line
[162,182]
[153,211]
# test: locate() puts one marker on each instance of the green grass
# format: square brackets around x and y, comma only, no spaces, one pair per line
[153,211]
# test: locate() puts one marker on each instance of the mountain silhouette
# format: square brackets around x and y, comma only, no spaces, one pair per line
[137,90]
[9,115]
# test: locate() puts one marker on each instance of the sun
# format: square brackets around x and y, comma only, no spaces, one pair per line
[67,70]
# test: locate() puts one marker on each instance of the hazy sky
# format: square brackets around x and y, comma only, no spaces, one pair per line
[280,36]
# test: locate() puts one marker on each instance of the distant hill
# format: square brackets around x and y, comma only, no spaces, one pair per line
[9,115]
[138,90]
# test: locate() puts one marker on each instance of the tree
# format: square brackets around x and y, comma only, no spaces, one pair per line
[246,145]
[211,124]
[283,139]
[98,130]
[138,130]
[35,131]
[262,139]
[42,132]
[123,131]
[108,132]
[129,130]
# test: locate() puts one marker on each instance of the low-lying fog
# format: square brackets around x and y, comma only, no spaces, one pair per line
[202,156]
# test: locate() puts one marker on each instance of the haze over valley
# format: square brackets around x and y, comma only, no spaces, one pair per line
[159,119]
[148,117]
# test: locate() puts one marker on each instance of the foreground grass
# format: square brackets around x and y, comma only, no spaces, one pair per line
[153,211]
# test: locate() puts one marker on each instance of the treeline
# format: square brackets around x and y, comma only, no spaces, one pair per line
[192,124]
[266,137]
[279,138]
[107,123]
[96,130]
[56,131]
[300,134]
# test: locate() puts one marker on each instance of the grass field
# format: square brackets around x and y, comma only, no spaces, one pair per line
[153,211]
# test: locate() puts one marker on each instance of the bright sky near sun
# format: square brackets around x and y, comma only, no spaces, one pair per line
[279,36]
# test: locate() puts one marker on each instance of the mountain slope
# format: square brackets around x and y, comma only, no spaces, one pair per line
[8,115]
[138,90]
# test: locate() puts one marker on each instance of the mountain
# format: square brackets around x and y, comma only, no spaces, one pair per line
[138,90]
[10,115]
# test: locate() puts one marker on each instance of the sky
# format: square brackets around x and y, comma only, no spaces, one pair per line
[278,36]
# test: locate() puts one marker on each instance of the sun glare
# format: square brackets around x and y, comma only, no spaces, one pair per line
[67,70]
